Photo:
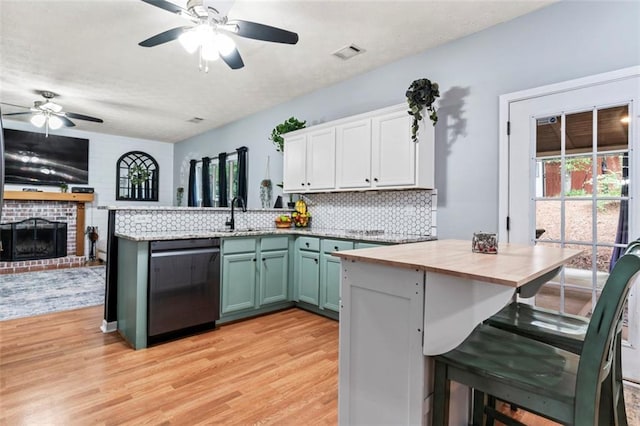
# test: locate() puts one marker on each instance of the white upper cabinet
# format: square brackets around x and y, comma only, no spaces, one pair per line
[310,161]
[367,151]
[353,156]
[321,159]
[393,152]
[295,164]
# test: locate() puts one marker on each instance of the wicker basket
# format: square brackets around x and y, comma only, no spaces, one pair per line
[283,224]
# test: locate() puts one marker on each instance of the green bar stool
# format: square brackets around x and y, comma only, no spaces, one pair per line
[563,331]
[543,379]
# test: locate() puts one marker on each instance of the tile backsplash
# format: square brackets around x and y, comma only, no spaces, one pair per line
[411,212]
[395,212]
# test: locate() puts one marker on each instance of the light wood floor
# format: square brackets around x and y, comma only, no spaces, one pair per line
[60,369]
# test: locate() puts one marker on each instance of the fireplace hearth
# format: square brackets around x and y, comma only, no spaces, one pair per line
[33,239]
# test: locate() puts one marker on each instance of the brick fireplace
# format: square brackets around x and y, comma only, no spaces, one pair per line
[58,207]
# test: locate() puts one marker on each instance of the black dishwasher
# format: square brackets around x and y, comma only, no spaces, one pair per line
[184,288]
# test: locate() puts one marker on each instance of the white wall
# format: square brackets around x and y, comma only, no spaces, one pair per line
[566,40]
[104,152]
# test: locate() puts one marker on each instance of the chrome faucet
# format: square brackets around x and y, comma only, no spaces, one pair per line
[232,222]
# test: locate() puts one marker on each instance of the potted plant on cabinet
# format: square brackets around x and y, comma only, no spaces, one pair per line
[422,93]
[289,125]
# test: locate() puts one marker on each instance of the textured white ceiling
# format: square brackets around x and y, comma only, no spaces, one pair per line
[87,51]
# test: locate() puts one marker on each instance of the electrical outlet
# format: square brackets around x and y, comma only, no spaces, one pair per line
[140,219]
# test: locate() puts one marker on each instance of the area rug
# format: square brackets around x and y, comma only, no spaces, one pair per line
[35,293]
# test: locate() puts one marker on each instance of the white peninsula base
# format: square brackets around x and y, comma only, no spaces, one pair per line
[400,305]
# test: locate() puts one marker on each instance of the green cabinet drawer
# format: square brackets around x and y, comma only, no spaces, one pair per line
[274,243]
[329,246]
[238,245]
[309,243]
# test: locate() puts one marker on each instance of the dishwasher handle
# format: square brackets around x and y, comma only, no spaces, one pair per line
[184,252]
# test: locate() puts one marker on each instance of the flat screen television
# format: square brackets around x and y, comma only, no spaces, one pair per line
[33,159]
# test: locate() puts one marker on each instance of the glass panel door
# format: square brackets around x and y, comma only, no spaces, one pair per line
[581,199]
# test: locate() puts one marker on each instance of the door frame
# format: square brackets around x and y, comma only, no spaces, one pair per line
[503,137]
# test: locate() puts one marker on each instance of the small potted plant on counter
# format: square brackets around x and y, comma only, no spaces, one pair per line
[64,187]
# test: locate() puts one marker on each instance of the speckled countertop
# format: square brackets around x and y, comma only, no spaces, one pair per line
[251,232]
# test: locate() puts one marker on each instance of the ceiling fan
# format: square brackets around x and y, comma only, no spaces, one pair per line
[209,34]
[50,115]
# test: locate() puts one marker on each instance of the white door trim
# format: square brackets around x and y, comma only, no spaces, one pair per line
[503,138]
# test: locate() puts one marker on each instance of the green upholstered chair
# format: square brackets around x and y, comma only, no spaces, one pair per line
[564,331]
[546,380]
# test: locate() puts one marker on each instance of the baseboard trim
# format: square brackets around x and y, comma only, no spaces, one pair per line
[109,327]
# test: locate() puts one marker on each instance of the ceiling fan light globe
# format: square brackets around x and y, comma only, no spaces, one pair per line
[209,52]
[55,122]
[225,44]
[189,40]
[38,120]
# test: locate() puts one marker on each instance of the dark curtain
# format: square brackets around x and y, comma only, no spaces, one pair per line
[242,173]
[222,180]
[193,196]
[206,183]
[622,233]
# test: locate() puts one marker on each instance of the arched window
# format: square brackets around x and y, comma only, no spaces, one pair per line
[137,177]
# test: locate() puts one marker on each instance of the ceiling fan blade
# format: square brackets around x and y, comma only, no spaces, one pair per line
[233,59]
[163,37]
[81,117]
[263,32]
[66,122]
[168,6]
[19,106]
[17,113]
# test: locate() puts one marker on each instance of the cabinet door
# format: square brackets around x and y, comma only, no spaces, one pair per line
[321,159]
[295,157]
[238,282]
[353,156]
[308,277]
[330,282]
[394,153]
[274,267]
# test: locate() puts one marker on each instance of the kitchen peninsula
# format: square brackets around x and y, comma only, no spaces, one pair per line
[402,304]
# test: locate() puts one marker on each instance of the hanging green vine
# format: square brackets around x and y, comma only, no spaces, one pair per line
[422,93]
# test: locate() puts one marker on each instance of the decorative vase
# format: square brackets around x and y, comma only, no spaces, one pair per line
[266,189]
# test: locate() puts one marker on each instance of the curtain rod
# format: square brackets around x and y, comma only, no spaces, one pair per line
[216,157]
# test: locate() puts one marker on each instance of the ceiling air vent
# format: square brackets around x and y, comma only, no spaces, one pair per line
[348,52]
[195,120]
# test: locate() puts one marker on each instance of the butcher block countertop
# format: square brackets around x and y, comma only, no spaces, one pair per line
[514,265]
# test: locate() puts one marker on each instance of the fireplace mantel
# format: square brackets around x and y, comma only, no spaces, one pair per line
[48,196]
[78,198]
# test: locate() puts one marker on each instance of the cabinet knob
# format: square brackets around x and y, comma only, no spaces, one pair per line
[306,244]
[375,179]
[264,260]
[254,259]
[335,248]
[308,183]
[302,183]
[367,180]
[316,260]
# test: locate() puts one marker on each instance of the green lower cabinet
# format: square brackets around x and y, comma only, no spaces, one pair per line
[330,272]
[274,270]
[308,277]
[238,282]
[330,282]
